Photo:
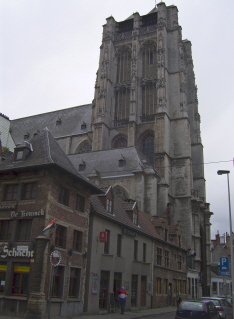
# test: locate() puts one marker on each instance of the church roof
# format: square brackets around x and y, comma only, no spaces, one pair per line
[106,163]
[60,123]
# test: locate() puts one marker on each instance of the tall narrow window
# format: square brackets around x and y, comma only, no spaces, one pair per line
[159,256]
[147,146]
[134,290]
[149,62]
[158,286]
[74,286]
[144,253]
[135,250]
[119,245]
[77,241]
[149,98]
[57,288]
[104,289]
[3,268]
[122,103]
[80,203]
[107,243]
[166,258]
[61,236]
[124,65]
[64,196]
[20,278]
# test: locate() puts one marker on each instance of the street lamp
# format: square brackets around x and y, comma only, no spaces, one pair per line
[231,237]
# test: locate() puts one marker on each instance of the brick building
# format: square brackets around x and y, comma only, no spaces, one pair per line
[38,183]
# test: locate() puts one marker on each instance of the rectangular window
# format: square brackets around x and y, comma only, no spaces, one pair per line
[135,250]
[104,290]
[57,288]
[214,287]
[77,240]
[158,286]
[165,288]
[29,191]
[119,245]
[144,253]
[107,243]
[20,278]
[24,227]
[109,206]
[80,203]
[159,256]
[134,290]
[11,192]
[179,262]
[166,258]
[61,236]
[64,196]
[5,229]
[74,286]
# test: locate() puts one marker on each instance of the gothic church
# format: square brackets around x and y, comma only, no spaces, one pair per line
[141,133]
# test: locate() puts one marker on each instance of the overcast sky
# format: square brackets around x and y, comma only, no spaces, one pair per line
[49,58]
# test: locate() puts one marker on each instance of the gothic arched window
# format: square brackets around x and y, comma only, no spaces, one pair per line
[120,142]
[123,65]
[149,98]
[122,103]
[147,146]
[85,147]
[149,60]
[120,192]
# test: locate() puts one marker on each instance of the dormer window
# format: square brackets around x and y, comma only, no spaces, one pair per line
[22,151]
[83,126]
[82,166]
[58,122]
[19,155]
[134,218]
[122,162]
[26,136]
[109,206]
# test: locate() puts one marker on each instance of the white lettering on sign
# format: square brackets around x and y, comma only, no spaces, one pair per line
[16,253]
[23,213]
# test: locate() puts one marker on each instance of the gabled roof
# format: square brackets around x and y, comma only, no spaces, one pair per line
[44,151]
[120,216]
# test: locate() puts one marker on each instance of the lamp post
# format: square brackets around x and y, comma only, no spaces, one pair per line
[231,237]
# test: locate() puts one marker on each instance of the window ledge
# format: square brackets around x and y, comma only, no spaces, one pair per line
[14,297]
[107,255]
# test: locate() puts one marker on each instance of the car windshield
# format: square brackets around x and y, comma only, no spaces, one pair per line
[190,305]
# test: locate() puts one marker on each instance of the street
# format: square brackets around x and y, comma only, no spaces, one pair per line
[161,316]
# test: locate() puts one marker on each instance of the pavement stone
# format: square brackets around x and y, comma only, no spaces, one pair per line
[128,314]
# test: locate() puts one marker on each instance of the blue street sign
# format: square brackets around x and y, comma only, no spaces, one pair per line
[224,266]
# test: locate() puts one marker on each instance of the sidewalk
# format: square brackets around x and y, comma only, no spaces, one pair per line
[128,314]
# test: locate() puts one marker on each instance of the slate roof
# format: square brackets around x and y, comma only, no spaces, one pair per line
[106,163]
[70,123]
[121,217]
[45,151]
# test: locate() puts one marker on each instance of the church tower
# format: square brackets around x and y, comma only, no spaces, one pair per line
[146,97]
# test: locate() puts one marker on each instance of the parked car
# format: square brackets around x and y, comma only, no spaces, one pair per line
[224,309]
[197,309]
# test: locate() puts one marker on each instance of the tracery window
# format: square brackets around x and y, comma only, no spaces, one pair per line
[122,103]
[120,142]
[147,147]
[149,98]
[120,192]
[85,147]
[124,65]
[149,66]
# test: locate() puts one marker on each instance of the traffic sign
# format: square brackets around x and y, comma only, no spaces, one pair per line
[224,266]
